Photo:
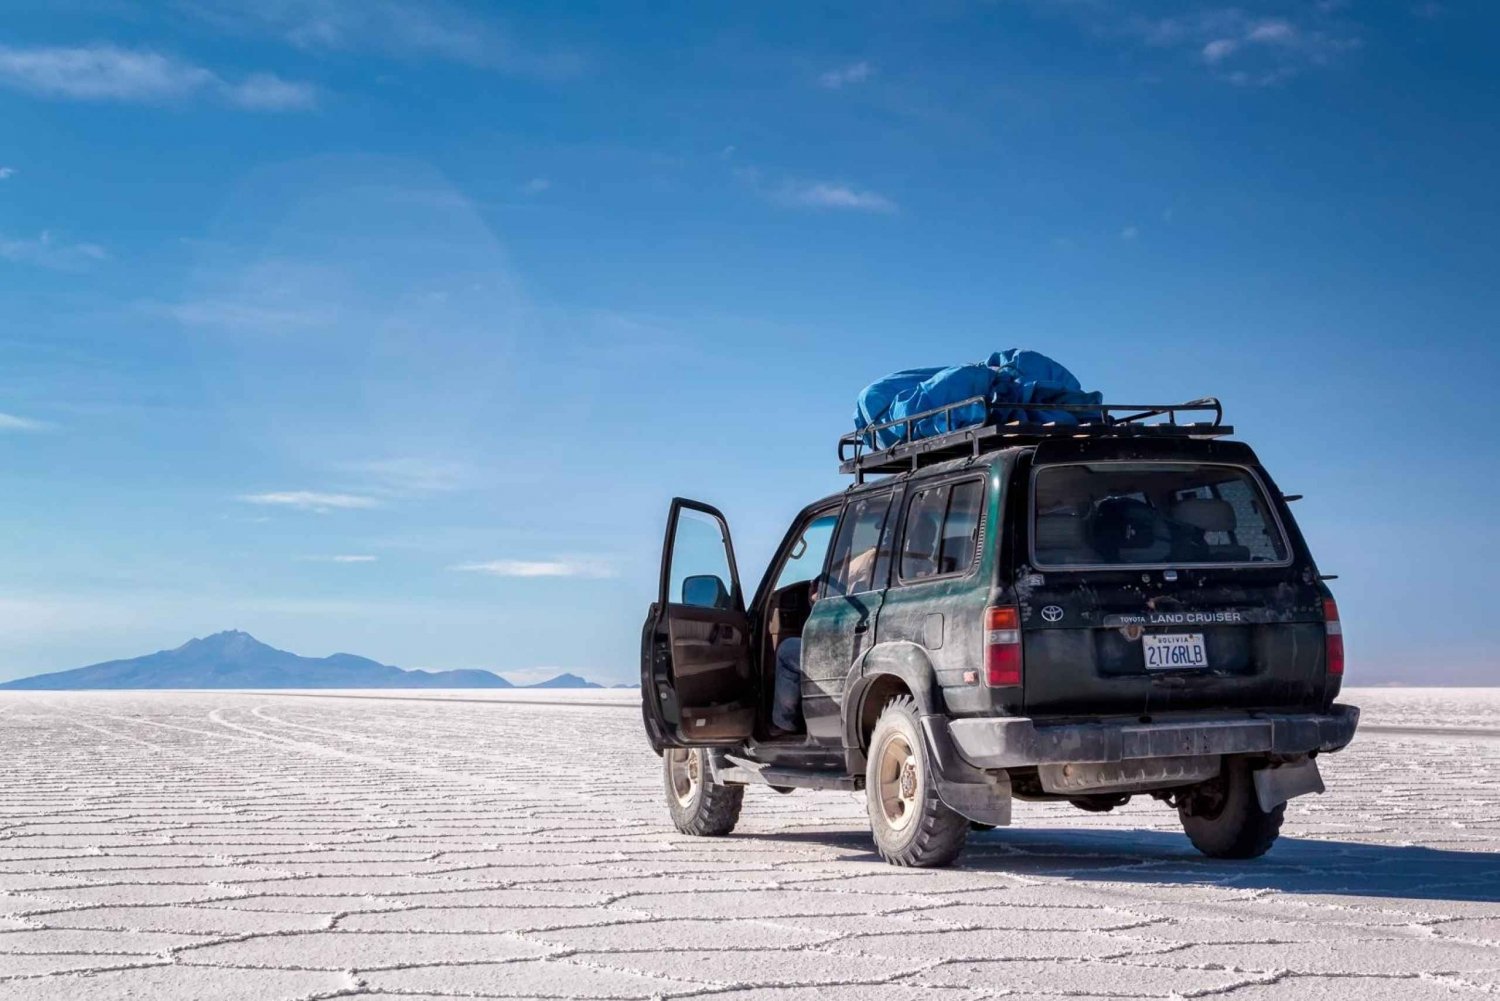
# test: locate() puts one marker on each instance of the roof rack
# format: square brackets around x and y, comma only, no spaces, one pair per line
[1105,420]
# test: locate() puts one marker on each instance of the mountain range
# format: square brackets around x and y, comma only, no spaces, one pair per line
[235,659]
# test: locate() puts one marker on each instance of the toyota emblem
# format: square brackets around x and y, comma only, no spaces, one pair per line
[1052,613]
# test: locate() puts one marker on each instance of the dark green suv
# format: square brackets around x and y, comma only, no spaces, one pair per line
[1012,611]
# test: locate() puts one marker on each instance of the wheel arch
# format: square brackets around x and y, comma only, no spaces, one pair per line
[886,671]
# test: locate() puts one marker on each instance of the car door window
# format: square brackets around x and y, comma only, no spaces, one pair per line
[805,559]
[852,569]
[700,573]
[941,535]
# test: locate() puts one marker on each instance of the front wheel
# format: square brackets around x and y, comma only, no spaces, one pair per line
[1223,819]
[911,825]
[699,806]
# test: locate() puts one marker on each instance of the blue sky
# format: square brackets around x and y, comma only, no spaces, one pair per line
[391,328]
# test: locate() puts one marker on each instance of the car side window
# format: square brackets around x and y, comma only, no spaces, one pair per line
[942,530]
[852,569]
[805,560]
[921,541]
[961,527]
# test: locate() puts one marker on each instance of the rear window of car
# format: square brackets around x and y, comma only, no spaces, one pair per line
[1150,514]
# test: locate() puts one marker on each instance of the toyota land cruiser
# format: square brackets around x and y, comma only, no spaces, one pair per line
[1087,613]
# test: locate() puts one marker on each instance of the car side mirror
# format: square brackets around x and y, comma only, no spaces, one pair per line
[705,591]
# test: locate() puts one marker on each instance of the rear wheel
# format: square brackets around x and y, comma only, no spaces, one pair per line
[698,805]
[911,825]
[1223,819]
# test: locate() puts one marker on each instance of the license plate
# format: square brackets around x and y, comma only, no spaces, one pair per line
[1174,651]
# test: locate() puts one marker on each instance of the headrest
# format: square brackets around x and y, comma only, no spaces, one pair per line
[1204,514]
[923,531]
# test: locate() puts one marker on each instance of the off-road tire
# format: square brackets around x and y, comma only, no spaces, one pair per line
[1223,818]
[701,807]
[911,825]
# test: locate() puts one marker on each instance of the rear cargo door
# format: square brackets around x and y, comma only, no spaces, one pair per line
[1161,576]
[697,687]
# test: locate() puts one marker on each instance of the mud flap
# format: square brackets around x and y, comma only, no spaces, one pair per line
[1274,786]
[977,795]
[987,802]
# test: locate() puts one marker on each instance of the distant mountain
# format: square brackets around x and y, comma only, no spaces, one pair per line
[236,659]
[566,681]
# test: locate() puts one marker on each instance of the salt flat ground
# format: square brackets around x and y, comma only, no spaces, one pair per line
[271,845]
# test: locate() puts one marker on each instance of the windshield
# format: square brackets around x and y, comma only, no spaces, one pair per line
[1147,514]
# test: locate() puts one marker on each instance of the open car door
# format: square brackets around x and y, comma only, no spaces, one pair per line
[697,687]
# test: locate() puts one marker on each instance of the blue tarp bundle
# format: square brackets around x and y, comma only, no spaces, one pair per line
[1007,378]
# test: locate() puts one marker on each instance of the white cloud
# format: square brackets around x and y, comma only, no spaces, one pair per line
[536,185]
[1273,33]
[843,76]
[1129,233]
[108,73]
[1219,49]
[241,315]
[268,92]
[408,475]
[47,251]
[10,422]
[6,173]
[1235,45]
[312,500]
[339,559]
[829,195]
[432,30]
[593,568]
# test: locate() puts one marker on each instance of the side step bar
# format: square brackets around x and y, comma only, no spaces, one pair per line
[732,770]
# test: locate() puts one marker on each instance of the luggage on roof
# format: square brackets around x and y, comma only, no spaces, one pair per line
[1011,385]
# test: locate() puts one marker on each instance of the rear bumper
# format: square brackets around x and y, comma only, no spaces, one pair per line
[1012,742]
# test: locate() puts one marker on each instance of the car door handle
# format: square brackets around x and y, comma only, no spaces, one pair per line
[863,626]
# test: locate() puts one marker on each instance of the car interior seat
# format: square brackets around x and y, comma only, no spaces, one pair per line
[1216,521]
[1062,538]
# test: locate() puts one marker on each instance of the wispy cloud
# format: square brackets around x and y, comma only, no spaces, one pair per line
[311,500]
[268,92]
[593,568]
[10,422]
[6,173]
[104,72]
[411,475]
[339,559]
[270,295]
[1231,44]
[1249,50]
[1129,233]
[238,314]
[536,185]
[843,76]
[832,195]
[49,252]
[433,30]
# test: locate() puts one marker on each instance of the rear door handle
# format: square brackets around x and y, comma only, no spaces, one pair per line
[863,626]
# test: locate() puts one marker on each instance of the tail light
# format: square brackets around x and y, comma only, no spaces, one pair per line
[1334,632]
[1002,646]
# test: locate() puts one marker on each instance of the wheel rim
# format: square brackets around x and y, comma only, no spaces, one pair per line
[685,774]
[899,782]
